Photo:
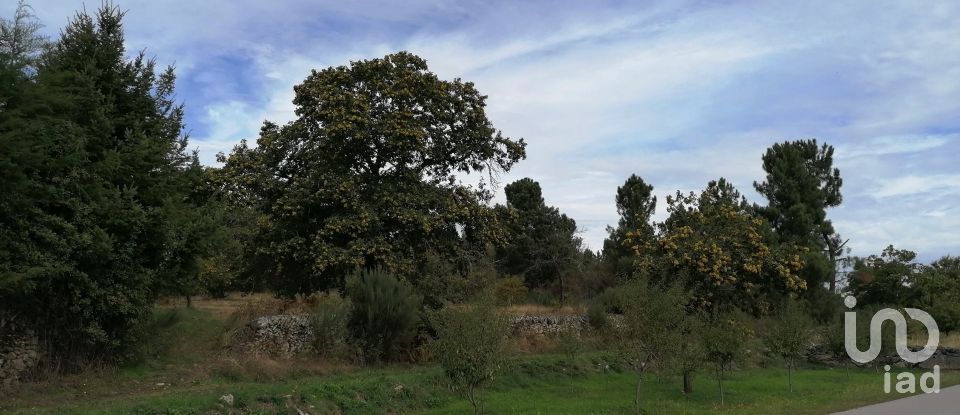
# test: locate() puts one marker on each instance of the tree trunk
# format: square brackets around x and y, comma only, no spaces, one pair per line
[720,382]
[832,258]
[189,301]
[687,382]
[790,374]
[561,289]
[636,400]
[474,401]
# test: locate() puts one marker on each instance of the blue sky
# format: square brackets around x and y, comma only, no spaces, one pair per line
[678,92]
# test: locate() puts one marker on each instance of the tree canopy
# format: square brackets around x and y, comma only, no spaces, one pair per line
[369,174]
[94,156]
[542,243]
[635,205]
[718,249]
[801,184]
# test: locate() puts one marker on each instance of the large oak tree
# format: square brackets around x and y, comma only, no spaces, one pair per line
[369,174]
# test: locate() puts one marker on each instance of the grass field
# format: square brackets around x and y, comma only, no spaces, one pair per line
[548,384]
[182,373]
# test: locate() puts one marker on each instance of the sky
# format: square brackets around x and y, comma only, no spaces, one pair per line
[678,92]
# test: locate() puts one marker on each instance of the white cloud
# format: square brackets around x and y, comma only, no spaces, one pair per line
[678,92]
[882,146]
[936,185]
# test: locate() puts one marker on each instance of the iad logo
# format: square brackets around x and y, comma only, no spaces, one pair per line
[906,381]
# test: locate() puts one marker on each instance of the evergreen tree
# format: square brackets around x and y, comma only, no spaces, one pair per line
[800,186]
[635,205]
[542,243]
[98,163]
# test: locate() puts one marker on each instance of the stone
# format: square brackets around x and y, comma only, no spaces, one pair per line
[547,324]
[278,336]
[227,399]
[946,358]
[19,352]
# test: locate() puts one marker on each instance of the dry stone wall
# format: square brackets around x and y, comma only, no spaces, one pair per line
[547,324]
[282,335]
[288,335]
[19,353]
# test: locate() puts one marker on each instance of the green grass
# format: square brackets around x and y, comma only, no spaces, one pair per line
[754,391]
[173,377]
[537,385]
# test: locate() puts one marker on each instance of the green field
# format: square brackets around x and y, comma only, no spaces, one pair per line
[182,374]
[548,384]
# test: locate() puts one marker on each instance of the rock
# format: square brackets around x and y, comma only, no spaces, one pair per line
[279,336]
[227,399]
[19,352]
[946,358]
[547,324]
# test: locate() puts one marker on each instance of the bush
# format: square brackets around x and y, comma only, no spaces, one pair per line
[510,290]
[724,343]
[612,300]
[384,315]
[946,312]
[570,343]
[471,347]
[597,316]
[441,280]
[543,296]
[215,276]
[328,320]
[788,335]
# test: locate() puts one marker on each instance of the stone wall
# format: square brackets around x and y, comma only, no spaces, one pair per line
[19,353]
[276,336]
[547,324]
[945,357]
[288,335]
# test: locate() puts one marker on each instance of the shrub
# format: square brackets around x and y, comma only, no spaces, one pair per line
[470,347]
[570,343]
[833,336]
[946,312]
[652,328]
[788,335]
[384,315]
[328,320]
[442,280]
[543,296]
[724,340]
[215,276]
[510,290]
[612,300]
[597,316]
